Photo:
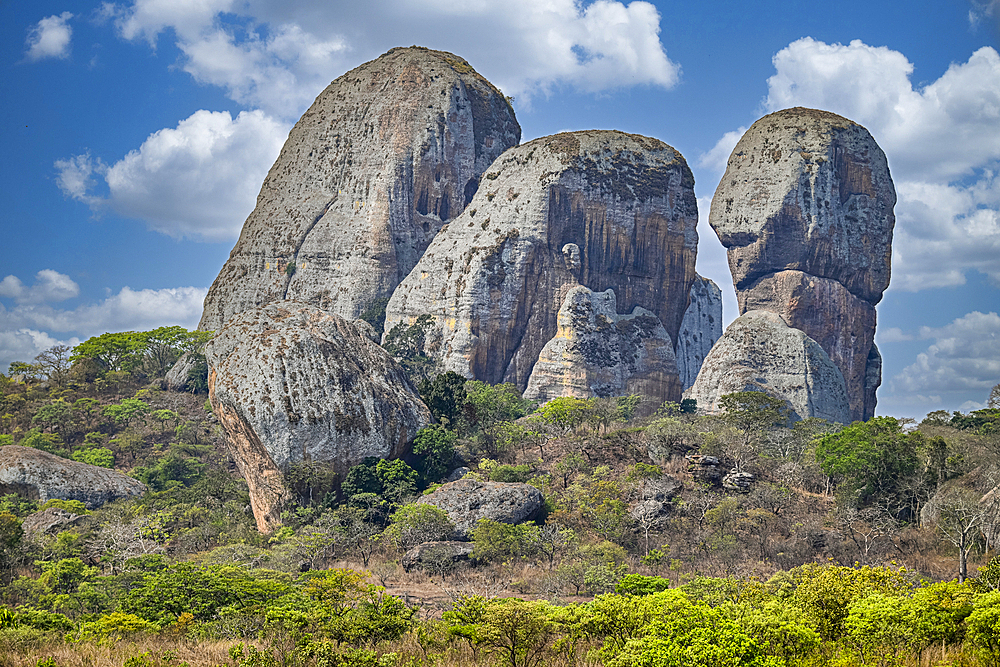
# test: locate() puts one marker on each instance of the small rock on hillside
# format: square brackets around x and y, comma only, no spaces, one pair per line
[601,209]
[467,501]
[597,352]
[51,520]
[386,154]
[759,352]
[700,328]
[423,554]
[41,476]
[291,383]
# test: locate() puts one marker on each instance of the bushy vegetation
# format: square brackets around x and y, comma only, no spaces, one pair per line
[869,544]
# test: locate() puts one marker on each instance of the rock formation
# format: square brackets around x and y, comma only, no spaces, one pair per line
[291,383]
[597,352]
[48,521]
[41,476]
[805,210]
[700,328]
[601,209]
[467,501]
[434,552]
[385,156]
[759,352]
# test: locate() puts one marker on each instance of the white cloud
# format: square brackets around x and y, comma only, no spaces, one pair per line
[278,56]
[891,335]
[26,344]
[197,180]
[30,328]
[984,10]
[716,158]
[50,286]
[49,38]
[941,141]
[965,356]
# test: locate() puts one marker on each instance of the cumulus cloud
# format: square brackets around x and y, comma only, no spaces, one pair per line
[26,344]
[198,180]
[30,328]
[50,286]
[49,38]
[941,141]
[891,335]
[277,56]
[965,356]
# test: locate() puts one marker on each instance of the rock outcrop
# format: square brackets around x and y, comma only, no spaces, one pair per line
[759,352]
[292,383]
[467,501]
[597,352]
[450,552]
[41,476]
[700,328]
[805,210]
[51,520]
[601,209]
[385,156]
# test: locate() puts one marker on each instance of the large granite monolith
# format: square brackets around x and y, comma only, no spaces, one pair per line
[385,156]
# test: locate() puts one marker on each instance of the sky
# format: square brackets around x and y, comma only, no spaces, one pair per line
[135,136]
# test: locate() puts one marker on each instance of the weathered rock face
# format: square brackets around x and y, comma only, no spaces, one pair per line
[700,328]
[386,154]
[467,501]
[824,310]
[601,209]
[597,352]
[41,476]
[759,352]
[445,550]
[291,383]
[51,520]
[805,210]
[807,190]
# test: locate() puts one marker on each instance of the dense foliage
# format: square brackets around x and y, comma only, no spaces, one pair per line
[868,544]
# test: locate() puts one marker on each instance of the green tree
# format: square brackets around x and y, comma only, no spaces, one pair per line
[417,523]
[162,347]
[95,456]
[436,445]
[127,411]
[57,416]
[497,541]
[113,351]
[398,480]
[518,632]
[869,459]
[445,396]
[566,412]
[752,413]
[488,407]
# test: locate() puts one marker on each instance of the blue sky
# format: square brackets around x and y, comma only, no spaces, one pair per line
[136,135]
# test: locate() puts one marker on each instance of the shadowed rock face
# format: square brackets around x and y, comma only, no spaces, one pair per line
[601,209]
[597,352]
[386,154]
[700,328]
[41,476]
[292,383]
[805,210]
[759,352]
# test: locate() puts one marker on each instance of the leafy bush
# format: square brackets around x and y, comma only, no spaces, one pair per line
[96,456]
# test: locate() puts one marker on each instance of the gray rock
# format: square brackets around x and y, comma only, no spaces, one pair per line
[823,309]
[385,156]
[291,383]
[51,520]
[602,209]
[700,328]
[810,191]
[738,481]
[759,352]
[368,331]
[704,469]
[453,551]
[177,376]
[467,501]
[457,474]
[597,352]
[41,476]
